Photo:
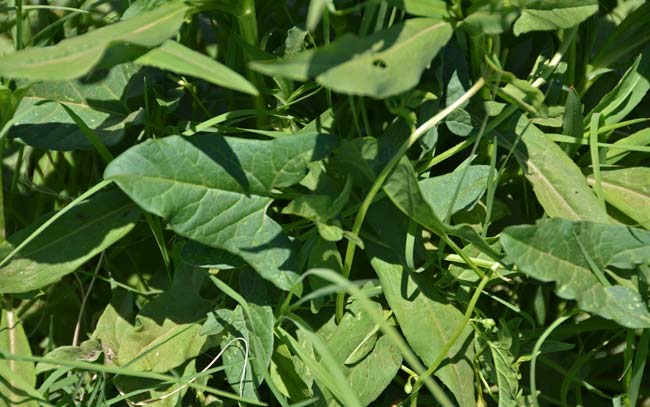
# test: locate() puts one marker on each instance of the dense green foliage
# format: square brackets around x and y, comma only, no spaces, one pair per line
[325,202]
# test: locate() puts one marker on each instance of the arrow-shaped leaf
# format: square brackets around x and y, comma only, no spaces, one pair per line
[216,190]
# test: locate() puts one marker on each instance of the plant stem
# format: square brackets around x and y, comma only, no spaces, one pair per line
[445,351]
[383,175]
[248,30]
[19,25]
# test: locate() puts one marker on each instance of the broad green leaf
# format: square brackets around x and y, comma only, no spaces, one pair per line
[545,15]
[439,191]
[41,121]
[371,66]
[107,46]
[506,366]
[166,332]
[208,257]
[404,191]
[216,190]
[628,190]
[571,254]
[79,235]
[259,329]
[114,322]
[428,322]
[376,368]
[423,8]
[177,58]
[17,379]
[627,94]
[285,373]
[557,181]
[490,19]
[328,373]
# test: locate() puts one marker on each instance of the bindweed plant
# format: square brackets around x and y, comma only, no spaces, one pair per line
[324,203]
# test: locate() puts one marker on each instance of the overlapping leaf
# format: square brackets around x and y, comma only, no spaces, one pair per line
[17,379]
[557,181]
[41,120]
[216,190]
[628,190]
[166,331]
[372,66]
[546,15]
[178,58]
[69,242]
[428,322]
[576,255]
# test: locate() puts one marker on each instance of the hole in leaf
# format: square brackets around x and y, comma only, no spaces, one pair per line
[380,63]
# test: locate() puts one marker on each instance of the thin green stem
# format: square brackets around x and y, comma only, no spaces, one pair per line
[19,25]
[444,353]
[536,351]
[383,175]
[53,219]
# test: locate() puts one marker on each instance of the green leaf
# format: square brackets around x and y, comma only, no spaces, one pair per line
[375,369]
[286,373]
[506,366]
[489,19]
[423,8]
[177,58]
[404,191]
[439,191]
[17,379]
[627,38]
[41,120]
[259,329]
[106,46]
[216,190]
[570,253]
[85,231]
[628,190]
[166,332]
[572,120]
[371,66]
[557,181]
[113,323]
[627,94]
[545,15]
[88,351]
[428,322]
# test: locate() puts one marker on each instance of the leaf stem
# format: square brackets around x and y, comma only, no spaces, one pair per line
[450,344]
[383,175]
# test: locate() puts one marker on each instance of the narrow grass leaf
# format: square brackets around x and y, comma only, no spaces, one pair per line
[627,93]
[79,235]
[628,190]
